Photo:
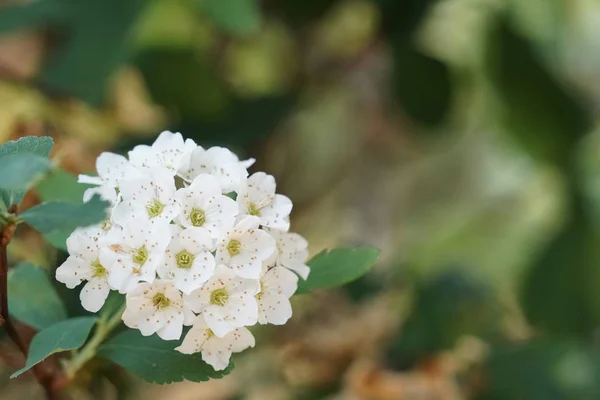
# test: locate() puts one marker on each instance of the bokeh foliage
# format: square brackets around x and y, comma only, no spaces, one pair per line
[460,136]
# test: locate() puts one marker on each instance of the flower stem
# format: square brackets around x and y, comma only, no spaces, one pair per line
[103,329]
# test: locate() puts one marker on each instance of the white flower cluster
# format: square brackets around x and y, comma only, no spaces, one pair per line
[191,240]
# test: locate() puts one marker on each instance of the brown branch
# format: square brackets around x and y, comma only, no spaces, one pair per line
[42,375]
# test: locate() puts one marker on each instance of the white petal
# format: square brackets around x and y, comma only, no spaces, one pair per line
[246,266]
[280,281]
[219,321]
[196,337]
[216,354]
[73,271]
[241,310]
[276,214]
[240,340]
[173,327]
[274,309]
[94,293]
[89,180]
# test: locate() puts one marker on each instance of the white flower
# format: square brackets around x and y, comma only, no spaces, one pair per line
[258,198]
[136,250]
[203,205]
[219,162]
[277,285]
[83,264]
[168,151]
[147,198]
[155,308]
[216,351]
[188,261]
[292,252]
[112,169]
[245,247]
[226,301]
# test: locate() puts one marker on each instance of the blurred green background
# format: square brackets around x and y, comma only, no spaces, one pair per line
[459,136]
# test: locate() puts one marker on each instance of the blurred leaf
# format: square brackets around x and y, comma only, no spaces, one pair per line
[238,17]
[67,335]
[156,360]
[538,111]
[402,18]
[21,170]
[57,216]
[445,308]
[542,369]
[31,14]
[32,298]
[184,83]
[99,33]
[337,267]
[421,84]
[61,185]
[39,146]
[560,293]
[302,12]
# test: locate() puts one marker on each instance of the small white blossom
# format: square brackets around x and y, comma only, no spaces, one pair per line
[191,239]
[244,248]
[168,151]
[215,350]
[83,264]
[277,285]
[188,261]
[112,169]
[292,252]
[148,198]
[226,301]
[155,308]
[136,250]
[203,205]
[258,198]
[219,162]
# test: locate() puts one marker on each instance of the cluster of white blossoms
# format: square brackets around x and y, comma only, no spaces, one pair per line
[192,240]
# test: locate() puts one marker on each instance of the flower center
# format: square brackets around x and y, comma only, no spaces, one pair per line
[197,217]
[98,269]
[259,295]
[219,297]
[160,301]
[140,256]
[234,247]
[184,259]
[154,208]
[253,209]
[106,225]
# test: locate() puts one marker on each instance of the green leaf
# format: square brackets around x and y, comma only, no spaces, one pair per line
[156,361]
[99,34]
[39,146]
[24,168]
[444,309]
[56,216]
[67,335]
[537,110]
[542,369]
[560,292]
[30,14]
[421,85]
[61,185]
[32,298]
[338,267]
[238,17]
[180,80]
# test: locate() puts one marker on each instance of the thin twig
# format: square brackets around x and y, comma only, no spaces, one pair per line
[44,377]
[104,327]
